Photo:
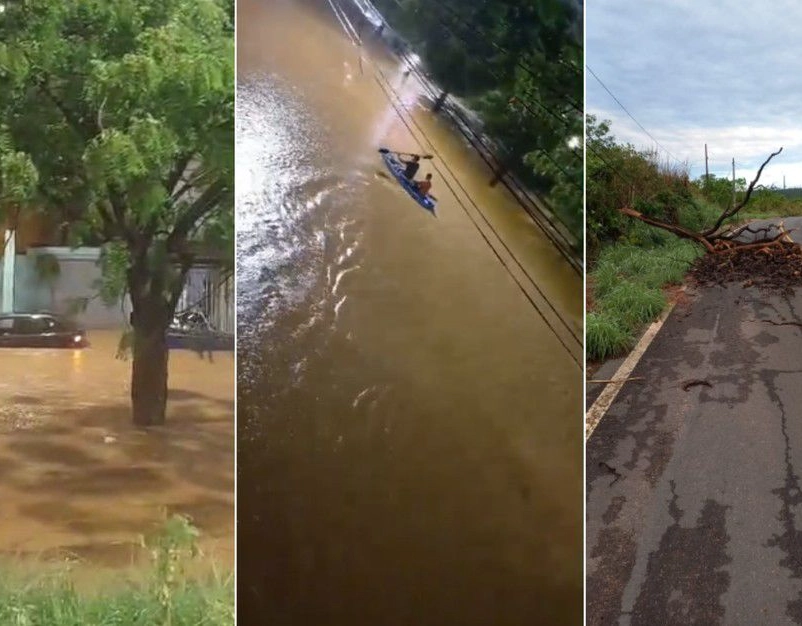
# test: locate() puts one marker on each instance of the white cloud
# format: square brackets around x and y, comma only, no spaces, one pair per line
[721,73]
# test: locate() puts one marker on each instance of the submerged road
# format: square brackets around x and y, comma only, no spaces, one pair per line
[693,501]
[409,426]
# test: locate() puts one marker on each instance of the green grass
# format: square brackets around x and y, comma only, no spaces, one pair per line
[634,303]
[56,603]
[628,280]
[169,599]
[605,336]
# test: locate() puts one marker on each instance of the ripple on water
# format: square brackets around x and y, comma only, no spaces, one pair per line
[293,237]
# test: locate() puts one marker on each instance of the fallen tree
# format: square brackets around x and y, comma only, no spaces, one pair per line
[710,237]
[761,255]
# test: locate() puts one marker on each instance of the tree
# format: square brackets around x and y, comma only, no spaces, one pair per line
[519,64]
[125,110]
[719,190]
[48,271]
[716,237]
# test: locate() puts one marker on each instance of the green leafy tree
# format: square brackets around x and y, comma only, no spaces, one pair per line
[120,115]
[618,176]
[719,190]
[519,64]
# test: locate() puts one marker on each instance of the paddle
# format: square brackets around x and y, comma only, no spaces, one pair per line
[422,156]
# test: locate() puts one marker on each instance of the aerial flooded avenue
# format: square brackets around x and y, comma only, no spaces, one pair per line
[409,426]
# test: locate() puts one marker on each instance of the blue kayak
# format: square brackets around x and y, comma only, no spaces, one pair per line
[396,168]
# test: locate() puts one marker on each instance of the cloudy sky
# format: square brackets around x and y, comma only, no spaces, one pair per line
[725,73]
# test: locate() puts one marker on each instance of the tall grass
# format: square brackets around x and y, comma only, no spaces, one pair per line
[171,598]
[628,280]
[605,336]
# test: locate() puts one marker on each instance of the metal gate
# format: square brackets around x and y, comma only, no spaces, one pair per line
[211,292]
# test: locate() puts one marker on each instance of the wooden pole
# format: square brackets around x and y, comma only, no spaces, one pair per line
[733,182]
[707,171]
[441,99]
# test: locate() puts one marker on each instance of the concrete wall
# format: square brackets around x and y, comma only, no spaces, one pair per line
[78,276]
[207,290]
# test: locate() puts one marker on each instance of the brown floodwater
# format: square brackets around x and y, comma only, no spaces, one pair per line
[81,483]
[409,426]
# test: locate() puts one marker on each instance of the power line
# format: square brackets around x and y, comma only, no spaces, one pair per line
[344,19]
[498,166]
[481,233]
[632,117]
[456,14]
[485,37]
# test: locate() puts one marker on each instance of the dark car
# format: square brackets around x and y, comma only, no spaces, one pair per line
[39,330]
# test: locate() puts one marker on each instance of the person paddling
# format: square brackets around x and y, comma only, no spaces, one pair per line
[411,166]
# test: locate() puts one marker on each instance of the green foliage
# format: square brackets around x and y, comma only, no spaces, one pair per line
[121,115]
[479,51]
[605,337]
[119,122]
[633,303]
[627,280]
[114,264]
[620,176]
[173,599]
[18,178]
[169,550]
[792,193]
[719,190]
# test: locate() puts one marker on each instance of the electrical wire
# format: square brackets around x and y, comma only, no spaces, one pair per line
[474,136]
[343,19]
[632,117]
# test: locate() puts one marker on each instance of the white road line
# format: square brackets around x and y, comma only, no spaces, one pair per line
[610,392]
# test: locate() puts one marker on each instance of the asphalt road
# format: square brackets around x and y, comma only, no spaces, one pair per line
[792,224]
[694,508]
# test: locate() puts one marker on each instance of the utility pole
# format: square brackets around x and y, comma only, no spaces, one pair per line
[733,182]
[707,171]
[783,181]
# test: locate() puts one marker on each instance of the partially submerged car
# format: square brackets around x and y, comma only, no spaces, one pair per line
[40,330]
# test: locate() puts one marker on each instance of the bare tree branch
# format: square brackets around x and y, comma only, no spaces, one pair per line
[737,207]
[206,202]
[678,230]
[707,237]
[177,172]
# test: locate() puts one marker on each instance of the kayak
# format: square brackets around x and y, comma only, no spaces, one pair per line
[396,168]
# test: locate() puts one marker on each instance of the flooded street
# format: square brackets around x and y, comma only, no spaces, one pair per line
[79,481]
[410,426]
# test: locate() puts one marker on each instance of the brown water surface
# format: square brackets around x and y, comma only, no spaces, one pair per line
[410,427]
[80,482]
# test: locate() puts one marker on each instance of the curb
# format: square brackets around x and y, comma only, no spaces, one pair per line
[608,395]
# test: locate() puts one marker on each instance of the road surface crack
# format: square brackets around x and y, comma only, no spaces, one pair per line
[695,382]
[611,470]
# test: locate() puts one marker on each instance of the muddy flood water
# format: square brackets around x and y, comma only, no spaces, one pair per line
[80,482]
[409,426]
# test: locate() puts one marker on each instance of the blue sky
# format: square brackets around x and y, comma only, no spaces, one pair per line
[725,73]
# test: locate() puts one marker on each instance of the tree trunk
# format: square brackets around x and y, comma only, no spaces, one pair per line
[498,175]
[441,99]
[149,373]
